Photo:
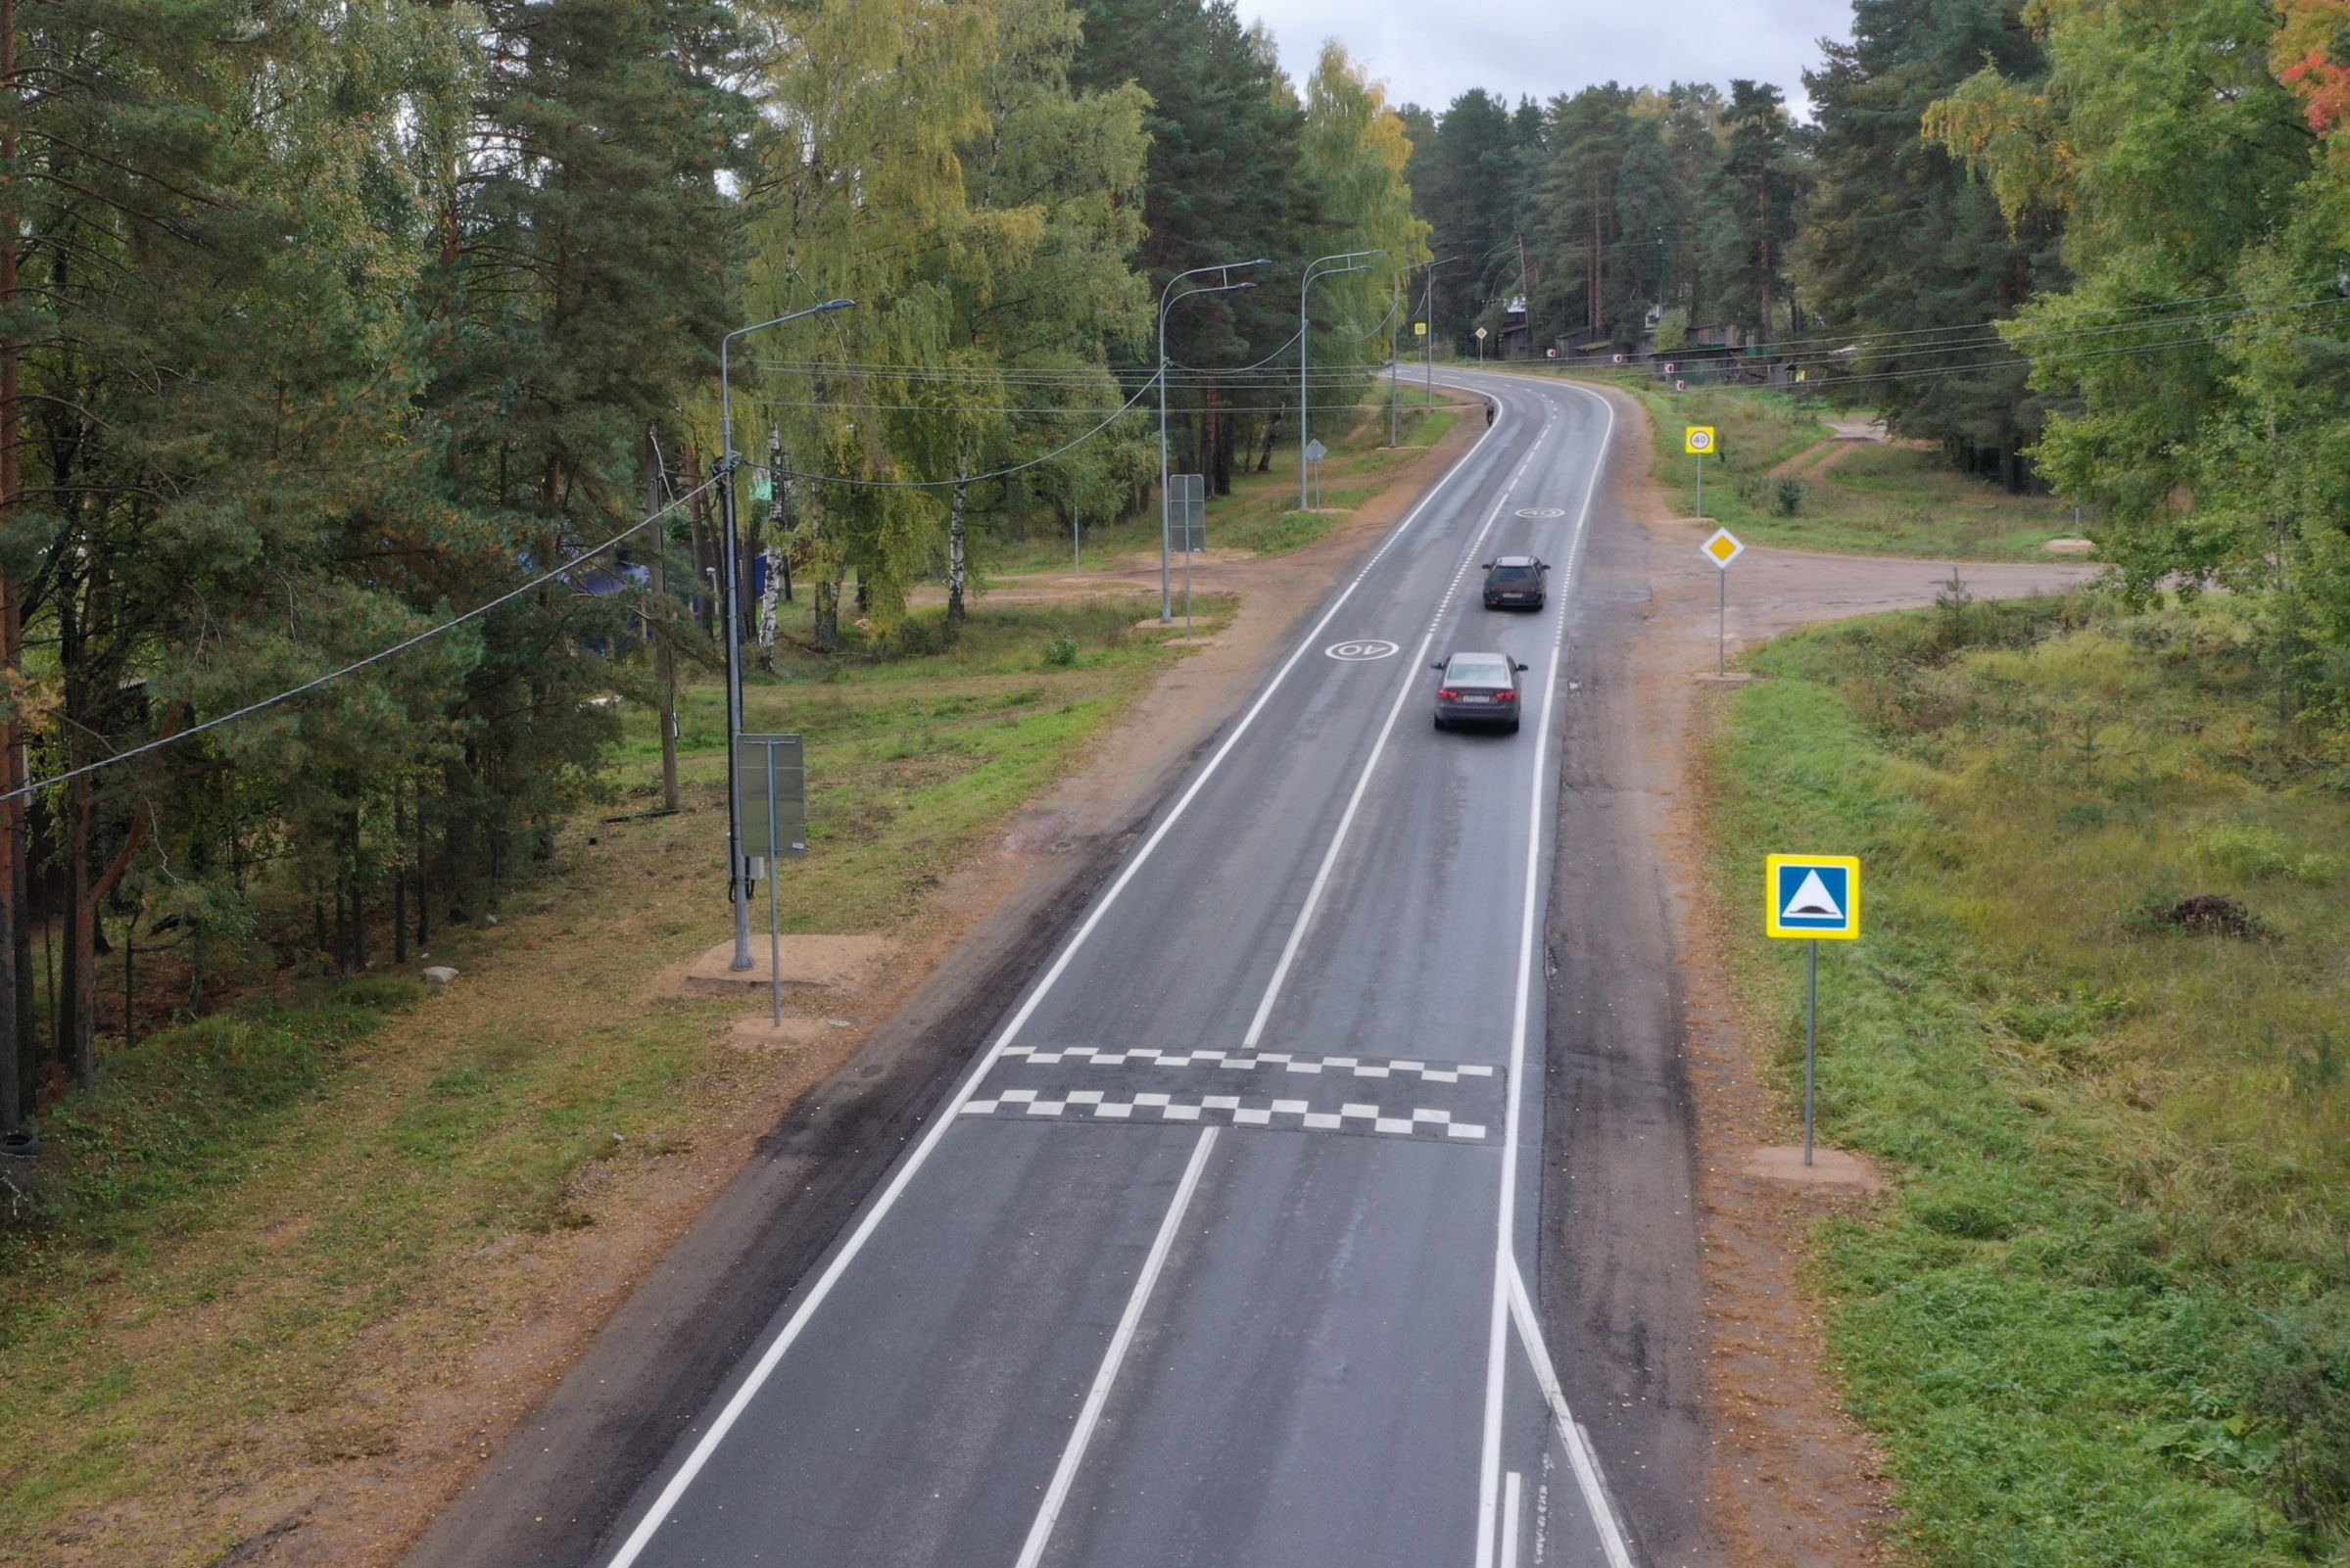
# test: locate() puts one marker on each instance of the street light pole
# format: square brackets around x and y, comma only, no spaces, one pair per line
[737,880]
[1166,513]
[1395,359]
[1313,270]
[1430,313]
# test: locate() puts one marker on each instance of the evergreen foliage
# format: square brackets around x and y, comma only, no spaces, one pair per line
[322,325]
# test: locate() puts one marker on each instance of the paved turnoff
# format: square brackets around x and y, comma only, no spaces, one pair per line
[1226,1249]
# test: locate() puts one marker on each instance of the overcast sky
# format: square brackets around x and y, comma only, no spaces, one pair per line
[1429,52]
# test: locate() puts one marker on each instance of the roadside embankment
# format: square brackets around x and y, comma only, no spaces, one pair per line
[2094,1035]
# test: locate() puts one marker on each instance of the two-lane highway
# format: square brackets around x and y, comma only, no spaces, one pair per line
[1218,1253]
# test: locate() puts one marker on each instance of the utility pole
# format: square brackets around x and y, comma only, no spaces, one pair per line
[664,653]
[1395,359]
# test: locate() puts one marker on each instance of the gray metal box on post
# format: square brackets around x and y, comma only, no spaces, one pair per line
[1187,526]
[774,771]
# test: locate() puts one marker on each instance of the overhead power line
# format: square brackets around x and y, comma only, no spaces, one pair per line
[966,479]
[181,737]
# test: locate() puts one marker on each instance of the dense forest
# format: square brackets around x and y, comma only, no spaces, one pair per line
[322,326]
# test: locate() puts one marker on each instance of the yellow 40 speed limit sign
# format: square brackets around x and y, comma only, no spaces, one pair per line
[1698,440]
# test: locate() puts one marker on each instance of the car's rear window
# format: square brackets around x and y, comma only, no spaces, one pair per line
[1513,574]
[1477,672]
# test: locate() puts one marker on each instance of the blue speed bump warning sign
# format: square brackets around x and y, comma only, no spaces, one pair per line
[1816,896]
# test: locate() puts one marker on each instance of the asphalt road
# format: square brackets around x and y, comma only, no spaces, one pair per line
[1231,1247]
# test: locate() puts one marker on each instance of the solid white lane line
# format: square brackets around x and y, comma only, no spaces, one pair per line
[1354,803]
[1098,1396]
[634,1545]
[1505,1241]
[1512,1503]
[1579,1458]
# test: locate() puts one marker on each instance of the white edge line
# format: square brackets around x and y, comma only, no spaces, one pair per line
[1346,820]
[1098,1396]
[1579,1456]
[1513,1500]
[724,1422]
[1504,1256]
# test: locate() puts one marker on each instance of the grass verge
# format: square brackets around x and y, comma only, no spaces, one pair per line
[2094,1032]
[1874,500]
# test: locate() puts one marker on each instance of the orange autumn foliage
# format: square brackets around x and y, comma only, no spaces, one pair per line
[2304,52]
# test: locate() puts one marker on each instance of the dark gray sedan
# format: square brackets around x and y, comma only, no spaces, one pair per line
[1514,582]
[1477,689]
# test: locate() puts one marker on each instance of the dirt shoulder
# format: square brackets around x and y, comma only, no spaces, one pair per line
[1789,1477]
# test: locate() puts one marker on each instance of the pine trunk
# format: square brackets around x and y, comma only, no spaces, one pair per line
[358,902]
[15,994]
[76,1028]
[398,875]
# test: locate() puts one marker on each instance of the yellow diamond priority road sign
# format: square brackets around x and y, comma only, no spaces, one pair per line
[1698,440]
[1723,547]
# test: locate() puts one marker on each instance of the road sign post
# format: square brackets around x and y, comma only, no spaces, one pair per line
[1315,451]
[1698,442]
[1480,348]
[1811,898]
[1721,549]
[774,789]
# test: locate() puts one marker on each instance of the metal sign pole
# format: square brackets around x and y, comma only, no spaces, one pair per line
[1187,554]
[774,896]
[1700,484]
[1721,621]
[1077,540]
[1811,1045]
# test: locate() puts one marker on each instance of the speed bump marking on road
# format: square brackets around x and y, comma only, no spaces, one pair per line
[1542,511]
[1229,1110]
[1245,1061]
[1812,898]
[1141,1085]
[1358,650]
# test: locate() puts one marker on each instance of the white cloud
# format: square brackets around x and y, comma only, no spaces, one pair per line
[1429,52]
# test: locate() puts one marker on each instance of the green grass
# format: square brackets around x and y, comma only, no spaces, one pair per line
[2106,1319]
[1873,500]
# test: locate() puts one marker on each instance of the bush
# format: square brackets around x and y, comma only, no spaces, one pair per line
[2251,850]
[1061,649]
[1789,497]
[2301,1388]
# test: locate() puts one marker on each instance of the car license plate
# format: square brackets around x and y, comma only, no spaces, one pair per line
[1473,696]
